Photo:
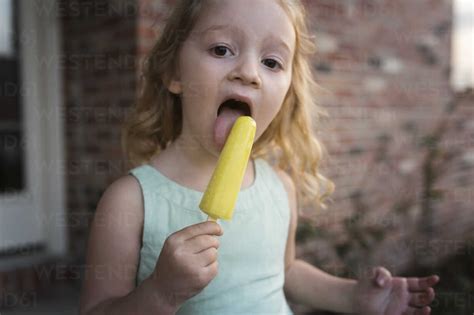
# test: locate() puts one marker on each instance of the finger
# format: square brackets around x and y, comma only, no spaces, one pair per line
[381,276]
[418,311]
[207,227]
[423,298]
[200,243]
[206,257]
[212,269]
[421,284]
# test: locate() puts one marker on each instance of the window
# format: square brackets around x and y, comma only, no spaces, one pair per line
[462,76]
[6,28]
[11,133]
[31,153]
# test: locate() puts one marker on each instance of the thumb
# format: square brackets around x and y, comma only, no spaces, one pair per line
[381,276]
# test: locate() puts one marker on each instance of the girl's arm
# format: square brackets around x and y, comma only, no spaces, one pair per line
[139,301]
[112,256]
[377,293]
[304,283]
[308,285]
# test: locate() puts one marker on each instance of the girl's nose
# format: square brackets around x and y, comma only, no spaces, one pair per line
[246,71]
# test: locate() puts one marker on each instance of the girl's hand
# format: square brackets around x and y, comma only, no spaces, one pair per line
[382,294]
[187,262]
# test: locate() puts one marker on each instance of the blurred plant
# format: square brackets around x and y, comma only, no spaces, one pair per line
[356,247]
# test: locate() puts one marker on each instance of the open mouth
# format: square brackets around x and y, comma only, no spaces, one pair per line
[236,105]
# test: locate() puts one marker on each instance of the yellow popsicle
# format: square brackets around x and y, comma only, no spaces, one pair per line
[221,193]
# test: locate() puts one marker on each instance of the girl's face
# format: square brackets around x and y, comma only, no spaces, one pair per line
[242,47]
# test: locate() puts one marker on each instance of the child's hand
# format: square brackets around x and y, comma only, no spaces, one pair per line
[187,262]
[382,294]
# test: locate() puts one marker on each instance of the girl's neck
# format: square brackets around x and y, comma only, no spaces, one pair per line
[186,165]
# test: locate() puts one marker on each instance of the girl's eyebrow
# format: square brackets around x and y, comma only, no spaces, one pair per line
[224,27]
[232,28]
[280,43]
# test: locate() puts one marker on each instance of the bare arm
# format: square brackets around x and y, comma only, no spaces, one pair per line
[313,287]
[112,257]
[139,301]
[306,284]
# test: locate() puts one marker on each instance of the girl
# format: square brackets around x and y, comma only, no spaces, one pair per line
[151,250]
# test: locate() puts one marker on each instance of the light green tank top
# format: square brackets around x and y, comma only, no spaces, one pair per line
[252,249]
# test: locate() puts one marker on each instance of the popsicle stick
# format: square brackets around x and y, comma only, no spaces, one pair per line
[211,219]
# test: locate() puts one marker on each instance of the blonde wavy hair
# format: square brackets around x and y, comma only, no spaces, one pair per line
[289,140]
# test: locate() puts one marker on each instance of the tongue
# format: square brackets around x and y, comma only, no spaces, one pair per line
[223,125]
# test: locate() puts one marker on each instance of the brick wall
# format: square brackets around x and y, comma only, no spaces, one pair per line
[400,150]
[99,85]
[384,70]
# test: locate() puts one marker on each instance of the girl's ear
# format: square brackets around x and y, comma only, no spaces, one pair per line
[174,81]
[174,86]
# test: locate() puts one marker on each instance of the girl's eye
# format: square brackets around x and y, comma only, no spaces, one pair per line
[220,50]
[273,64]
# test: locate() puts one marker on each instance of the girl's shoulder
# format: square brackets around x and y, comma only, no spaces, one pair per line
[122,204]
[124,192]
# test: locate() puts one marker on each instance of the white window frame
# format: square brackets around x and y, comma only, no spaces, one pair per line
[41,74]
